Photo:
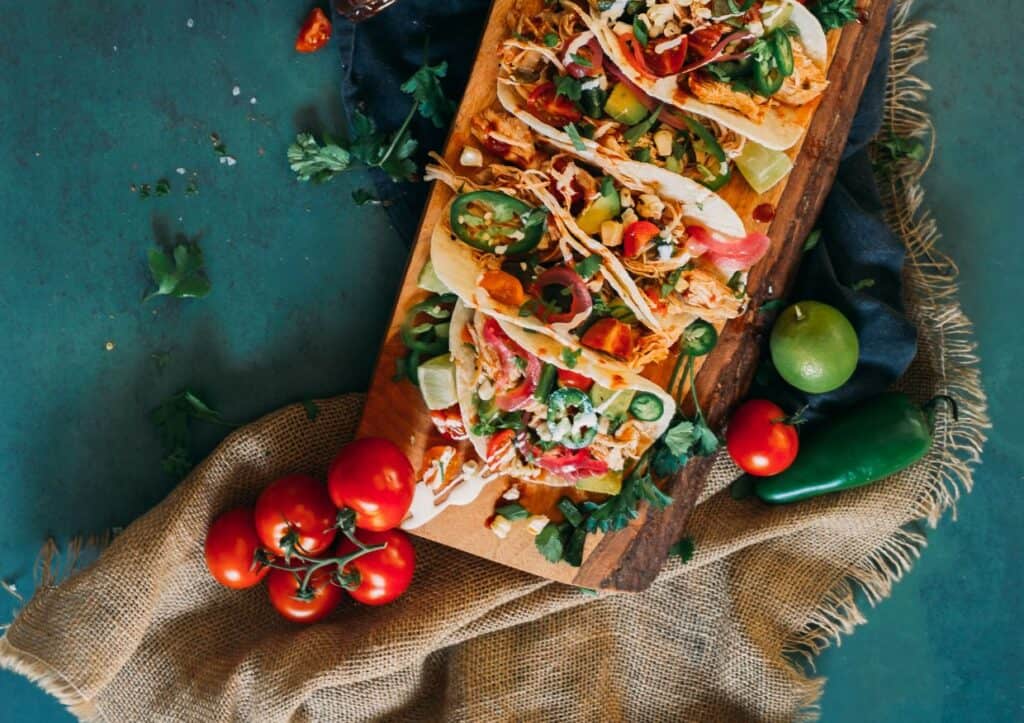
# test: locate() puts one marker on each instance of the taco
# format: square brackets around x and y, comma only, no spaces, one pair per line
[752,66]
[534,416]
[554,77]
[591,261]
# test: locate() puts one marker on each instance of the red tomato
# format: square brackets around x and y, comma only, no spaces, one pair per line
[703,41]
[653,294]
[666,63]
[380,576]
[315,32]
[230,550]
[314,603]
[636,236]
[373,478]
[499,441]
[611,336]
[572,379]
[552,108]
[760,440]
[298,508]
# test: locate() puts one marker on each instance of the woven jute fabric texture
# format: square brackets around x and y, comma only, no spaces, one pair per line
[725,637]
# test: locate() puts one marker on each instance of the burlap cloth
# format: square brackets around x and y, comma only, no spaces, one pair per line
[146,634]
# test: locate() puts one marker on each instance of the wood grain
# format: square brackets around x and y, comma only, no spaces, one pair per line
[629,560]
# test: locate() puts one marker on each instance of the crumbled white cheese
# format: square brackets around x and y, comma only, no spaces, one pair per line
[511,494]
[500,250]
[501,527]
[536,523]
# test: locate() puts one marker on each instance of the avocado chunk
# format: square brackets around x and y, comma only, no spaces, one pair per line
[624,106]
[603,208]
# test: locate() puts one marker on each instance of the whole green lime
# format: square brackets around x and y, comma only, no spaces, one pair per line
[814,347]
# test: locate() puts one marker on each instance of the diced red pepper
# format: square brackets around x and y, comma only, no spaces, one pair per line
[636,236]
[315,32]
[568,378]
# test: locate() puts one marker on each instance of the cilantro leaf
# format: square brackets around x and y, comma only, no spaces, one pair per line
[771,305]
[640,31]
[681,438]
[572,514]
[568,86]
[179,274]
[581,61]
[683,549]
[570,357]
[312,410]
[812,240]
[862,284]
[172,421]
[589,266]
[512,511]
[551,40]
[312,162]
[549,542]
[634,133]
[425,87]
[574,135]
[834,13]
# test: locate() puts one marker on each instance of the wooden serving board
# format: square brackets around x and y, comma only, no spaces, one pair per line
[630,559]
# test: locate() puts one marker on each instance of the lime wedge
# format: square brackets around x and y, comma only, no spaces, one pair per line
[429,281]
[437,382]
[609,483]
[775,14]
[762,168]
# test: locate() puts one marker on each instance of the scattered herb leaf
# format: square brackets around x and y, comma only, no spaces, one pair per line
[570,357]
[771,305]
[574,135]
[863,284]
[568,86]
[179,273]
[812,240]
[834,13]
[683,549]
[172,420]
[512,511]
[549,542]
[313,162]
[551,40]
[640,31]
[312,410]
[588,266]
[425,87]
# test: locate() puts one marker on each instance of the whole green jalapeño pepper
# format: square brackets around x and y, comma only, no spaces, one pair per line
[497,223]
[878,438]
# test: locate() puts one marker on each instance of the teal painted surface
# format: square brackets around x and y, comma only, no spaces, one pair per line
[299,272]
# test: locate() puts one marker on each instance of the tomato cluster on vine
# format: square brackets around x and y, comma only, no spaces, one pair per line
[313,542]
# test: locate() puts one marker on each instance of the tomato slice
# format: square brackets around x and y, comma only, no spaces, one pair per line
[568,378]
[315,32]
[499,442]
[668,62]
[637,235]
[552,108]
[703,41]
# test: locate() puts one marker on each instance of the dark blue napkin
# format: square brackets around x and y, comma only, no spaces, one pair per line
[856,266]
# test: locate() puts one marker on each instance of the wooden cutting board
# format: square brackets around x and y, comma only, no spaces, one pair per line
[631,558]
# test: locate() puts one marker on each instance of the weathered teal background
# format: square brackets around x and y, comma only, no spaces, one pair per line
[98,96]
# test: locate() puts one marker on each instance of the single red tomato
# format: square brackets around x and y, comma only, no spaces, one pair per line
[760,440]
[380,576]
[230,550]
[296,513]
[573,379]
[636,236]
[314,33]
[373,478]
[315,602]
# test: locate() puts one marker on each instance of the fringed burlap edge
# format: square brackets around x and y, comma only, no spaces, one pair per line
[930,279]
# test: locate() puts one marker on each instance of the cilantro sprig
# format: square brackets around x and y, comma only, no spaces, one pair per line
[834,13]
[389,152]
[172,419]
[179,273]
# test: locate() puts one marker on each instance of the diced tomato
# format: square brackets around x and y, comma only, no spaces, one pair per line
[703,41]
[666,63]
[315,32]
[657,303]
[552,108]
[499,442]
[636,236]
[503,287]
[449,423]
[573,379]
[610,336]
